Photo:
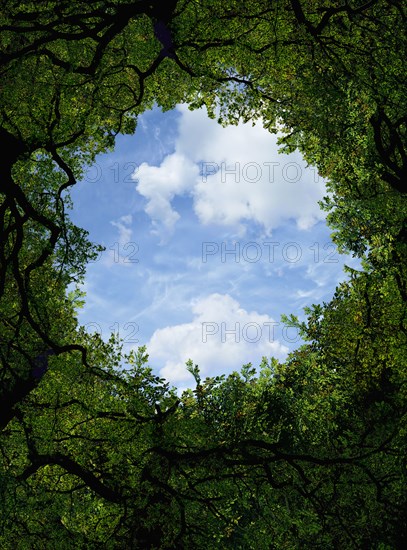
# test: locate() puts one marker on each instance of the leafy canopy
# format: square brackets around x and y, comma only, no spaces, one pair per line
[305,454]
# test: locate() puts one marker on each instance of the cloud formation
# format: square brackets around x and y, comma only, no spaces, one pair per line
[221,337]
[233,175]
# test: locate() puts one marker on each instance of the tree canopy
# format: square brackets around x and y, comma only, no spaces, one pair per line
[309,453]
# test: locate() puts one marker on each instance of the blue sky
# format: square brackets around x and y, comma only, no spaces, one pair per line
[210,236]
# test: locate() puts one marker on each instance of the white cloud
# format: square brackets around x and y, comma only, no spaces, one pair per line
[123,248]
[159,185]
[125,231]
[221,337]
[243,178]
[305,293]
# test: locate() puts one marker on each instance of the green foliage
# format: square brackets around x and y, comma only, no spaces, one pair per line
[95,450]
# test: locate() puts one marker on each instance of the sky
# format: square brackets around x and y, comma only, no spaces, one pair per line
[211,235]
